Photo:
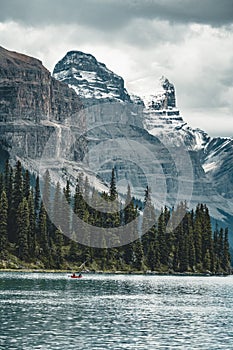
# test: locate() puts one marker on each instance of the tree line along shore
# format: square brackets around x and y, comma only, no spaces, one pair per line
[177,241]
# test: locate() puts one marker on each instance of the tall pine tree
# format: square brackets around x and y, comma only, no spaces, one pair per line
[3,225]
[23,229]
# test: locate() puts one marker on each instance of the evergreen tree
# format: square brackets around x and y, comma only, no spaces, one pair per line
[220,248]
[59,259]
[23,229]
[73,250]
[183,253]
[148,223]
[79,203]
[189,240]
[67,192]
[18,185]
[46,194]
[169,237]
[1,184]
[32,244]
[9,191]
[207,242]
[198,237]
[17,198]
[80,230]
[7,176]
[66,211]
[226,253]
[26,184]
[104,252]
[8,182]
[138,255]
[162,243]
[47,205]
[85,251]
[191,251]
[95,219]
[207,261]
[151,256]
[3,225]
[43,236]
[113,190]
[86,193]
[190,246]
[181,238]
[112,219]
[37,196]
[176,251]
[57,206]
[129,216]
[216,248]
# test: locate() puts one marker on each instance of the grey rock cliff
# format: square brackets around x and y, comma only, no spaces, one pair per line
[28,92]
[160,117]
[32,104]
[99,125]
[92,80]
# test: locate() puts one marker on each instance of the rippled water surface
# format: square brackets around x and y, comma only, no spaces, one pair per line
[52,311]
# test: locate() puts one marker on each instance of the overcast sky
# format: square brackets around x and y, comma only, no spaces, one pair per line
[188,41]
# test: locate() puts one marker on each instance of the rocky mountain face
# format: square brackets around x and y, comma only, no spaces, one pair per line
[210,158]
[33,105]
[91,79]
[29,93]
[217,160]
[47,124]
[164,97]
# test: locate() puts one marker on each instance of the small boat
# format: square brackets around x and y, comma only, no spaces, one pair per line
[76,276]
[79,271]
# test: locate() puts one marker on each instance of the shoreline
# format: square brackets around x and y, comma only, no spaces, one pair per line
[140,273]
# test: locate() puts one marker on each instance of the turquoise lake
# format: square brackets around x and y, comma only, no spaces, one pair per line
[51,311]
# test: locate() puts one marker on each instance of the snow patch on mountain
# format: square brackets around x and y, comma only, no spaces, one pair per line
[95,84]
[210,166]
[90,79]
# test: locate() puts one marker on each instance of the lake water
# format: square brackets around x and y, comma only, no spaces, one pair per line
[52,311]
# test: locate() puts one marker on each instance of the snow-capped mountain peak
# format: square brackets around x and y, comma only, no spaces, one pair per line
[161,113]
[163,97]
[91,80]
[148,141]
[211,157]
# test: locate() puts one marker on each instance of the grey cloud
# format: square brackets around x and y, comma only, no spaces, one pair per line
[197,60]
[146,34]
[211,12]
[113,15]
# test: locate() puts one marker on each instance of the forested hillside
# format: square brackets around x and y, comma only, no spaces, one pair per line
[178,241]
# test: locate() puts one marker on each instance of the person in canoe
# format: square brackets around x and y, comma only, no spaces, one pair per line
[80,269]
[76,276]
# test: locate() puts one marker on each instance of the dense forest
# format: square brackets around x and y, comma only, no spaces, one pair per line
[178,241]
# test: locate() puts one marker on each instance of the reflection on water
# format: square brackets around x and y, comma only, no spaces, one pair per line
[52,311]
